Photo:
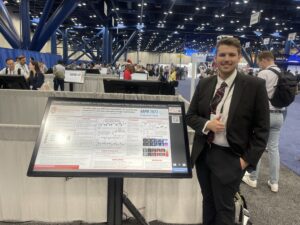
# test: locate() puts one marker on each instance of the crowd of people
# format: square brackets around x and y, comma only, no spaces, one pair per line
[33,72]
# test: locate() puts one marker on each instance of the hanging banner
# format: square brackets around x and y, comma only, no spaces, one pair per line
[292,36]
[105,8]
[247,45]
[255,17]
[266,41]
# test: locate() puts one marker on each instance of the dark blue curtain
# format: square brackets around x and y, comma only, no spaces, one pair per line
[49,59]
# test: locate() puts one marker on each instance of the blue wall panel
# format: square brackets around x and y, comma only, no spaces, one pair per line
[47,58]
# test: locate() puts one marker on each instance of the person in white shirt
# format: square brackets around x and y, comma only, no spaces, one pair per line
[23,67]
[10,68]
[59,76]
[266,61]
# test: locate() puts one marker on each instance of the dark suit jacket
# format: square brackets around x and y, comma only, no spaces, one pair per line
[248,121]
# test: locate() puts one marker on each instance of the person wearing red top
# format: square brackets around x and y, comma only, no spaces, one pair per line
[129,69]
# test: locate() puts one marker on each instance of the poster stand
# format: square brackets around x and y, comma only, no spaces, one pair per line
[95,138]
[115,201]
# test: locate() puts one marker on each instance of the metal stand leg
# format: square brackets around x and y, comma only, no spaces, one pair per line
[115,200]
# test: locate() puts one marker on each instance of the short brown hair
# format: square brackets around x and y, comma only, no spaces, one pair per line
[230,41]
[265,55]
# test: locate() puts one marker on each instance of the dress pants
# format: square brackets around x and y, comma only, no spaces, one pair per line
[58,82]
[219,174]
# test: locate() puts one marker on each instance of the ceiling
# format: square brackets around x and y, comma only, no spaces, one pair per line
[173,25]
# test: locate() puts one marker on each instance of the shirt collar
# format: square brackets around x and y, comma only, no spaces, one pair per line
[271,66]
[229,80]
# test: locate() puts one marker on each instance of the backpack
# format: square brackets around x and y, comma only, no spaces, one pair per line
[242,215]
[285,90]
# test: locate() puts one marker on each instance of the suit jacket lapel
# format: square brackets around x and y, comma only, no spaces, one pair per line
[236,96]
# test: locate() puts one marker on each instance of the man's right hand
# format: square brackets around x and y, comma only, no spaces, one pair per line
[216,125]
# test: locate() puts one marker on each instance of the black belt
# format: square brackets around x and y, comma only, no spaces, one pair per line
[228,149]
[276,111]
[212,145]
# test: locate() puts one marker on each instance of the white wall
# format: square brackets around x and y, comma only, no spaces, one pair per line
[154,58]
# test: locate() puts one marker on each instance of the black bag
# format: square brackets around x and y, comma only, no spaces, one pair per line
[285,90]
[242,215]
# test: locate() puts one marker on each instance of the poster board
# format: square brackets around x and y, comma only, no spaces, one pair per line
[139,76]
[112,138]
[75,76]
[103,70]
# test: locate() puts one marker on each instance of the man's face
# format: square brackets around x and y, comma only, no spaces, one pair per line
[227,59]
[10,64]
[262,64]
[22,61]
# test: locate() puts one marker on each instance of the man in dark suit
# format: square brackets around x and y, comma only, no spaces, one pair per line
[230,115]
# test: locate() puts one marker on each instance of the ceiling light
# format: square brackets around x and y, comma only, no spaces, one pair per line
[139,5]
[170,12]
[203,7]
[237,3]
[145,4]
[245,1]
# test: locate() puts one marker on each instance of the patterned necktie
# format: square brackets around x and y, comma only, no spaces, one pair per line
[213,107]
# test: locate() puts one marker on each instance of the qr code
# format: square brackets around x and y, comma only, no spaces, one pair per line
[175,119]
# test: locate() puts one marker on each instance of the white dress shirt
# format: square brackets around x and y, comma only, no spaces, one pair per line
[24,69]
[220,137]
[9,72]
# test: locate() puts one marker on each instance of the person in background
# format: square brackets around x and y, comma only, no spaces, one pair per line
[31,59]
[266,63]
[10,68]
[43,67]
[36,77]
[23,66]
[129,69]
[17,60]
[59,76]
[230,115]
[172,77]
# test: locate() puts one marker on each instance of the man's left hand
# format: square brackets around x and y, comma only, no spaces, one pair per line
[244,164]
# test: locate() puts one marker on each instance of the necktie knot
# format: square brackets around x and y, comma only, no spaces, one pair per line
[223,85]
